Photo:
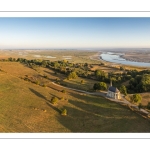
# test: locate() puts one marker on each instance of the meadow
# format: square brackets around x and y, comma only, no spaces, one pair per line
[25,105]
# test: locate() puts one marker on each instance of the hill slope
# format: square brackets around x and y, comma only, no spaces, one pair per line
[26,107]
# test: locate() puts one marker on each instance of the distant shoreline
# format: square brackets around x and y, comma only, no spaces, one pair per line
[128,57]
[134,59]
[99,58]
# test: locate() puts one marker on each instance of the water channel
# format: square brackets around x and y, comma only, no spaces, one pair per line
[116,58]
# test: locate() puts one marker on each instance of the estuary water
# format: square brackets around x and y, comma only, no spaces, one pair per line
[116,58]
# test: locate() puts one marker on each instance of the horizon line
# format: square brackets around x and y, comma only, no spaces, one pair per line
[74,48]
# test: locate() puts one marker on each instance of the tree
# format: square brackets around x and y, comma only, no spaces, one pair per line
[43,63]
[145,83]
[136,98]
[122,68]
[101,75]
[72,75]
[123,90]
[10,59]
[100,86]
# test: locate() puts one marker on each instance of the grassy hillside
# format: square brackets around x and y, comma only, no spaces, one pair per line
[26,106]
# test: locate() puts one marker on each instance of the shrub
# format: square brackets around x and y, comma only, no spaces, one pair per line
[54,100]
[44,85]
[62,98]
[100,86]
[82,81]
[37,82]
[64,112]
[136,98]
[72,75]
[45,76]
[63,91]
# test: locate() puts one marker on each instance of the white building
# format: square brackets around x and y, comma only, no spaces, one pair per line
[113,92]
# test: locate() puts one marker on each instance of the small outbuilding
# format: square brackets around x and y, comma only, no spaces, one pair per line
[113,92]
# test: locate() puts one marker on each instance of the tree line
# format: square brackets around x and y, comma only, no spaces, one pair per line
[139,81]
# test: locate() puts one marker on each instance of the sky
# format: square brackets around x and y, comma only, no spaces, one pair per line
[74,33]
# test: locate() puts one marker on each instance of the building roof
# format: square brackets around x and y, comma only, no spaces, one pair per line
[113,89]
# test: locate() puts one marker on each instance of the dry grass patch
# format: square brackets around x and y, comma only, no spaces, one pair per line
[26,107]
[145,98]
[106,69]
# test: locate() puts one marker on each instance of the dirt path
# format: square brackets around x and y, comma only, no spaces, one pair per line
[103,93]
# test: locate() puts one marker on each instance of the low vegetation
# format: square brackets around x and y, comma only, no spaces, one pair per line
[136,98]
[54,100]
[123,90]
[63,91]
[72,75]
[64,112]
[100,86]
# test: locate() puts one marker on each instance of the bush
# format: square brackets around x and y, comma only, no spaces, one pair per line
[64,112]
[82,81]
[37,82]
[62,98]
[63,91]
[54,100]
[72,75]
[45,76]
[44,85]
[136,98]
[100,86]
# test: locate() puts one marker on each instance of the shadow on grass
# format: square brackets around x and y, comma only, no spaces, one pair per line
[57,74]
[54,95]
[53,107]
[56,89]
[89,97]
[87,115]
[37,94]
[49,72]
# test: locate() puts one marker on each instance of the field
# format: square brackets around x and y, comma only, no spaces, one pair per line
[106,69]
[74,56]
[25,105]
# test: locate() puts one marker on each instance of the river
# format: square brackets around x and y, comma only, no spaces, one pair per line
[116,58]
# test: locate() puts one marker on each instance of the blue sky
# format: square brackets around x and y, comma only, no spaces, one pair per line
[49,33]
